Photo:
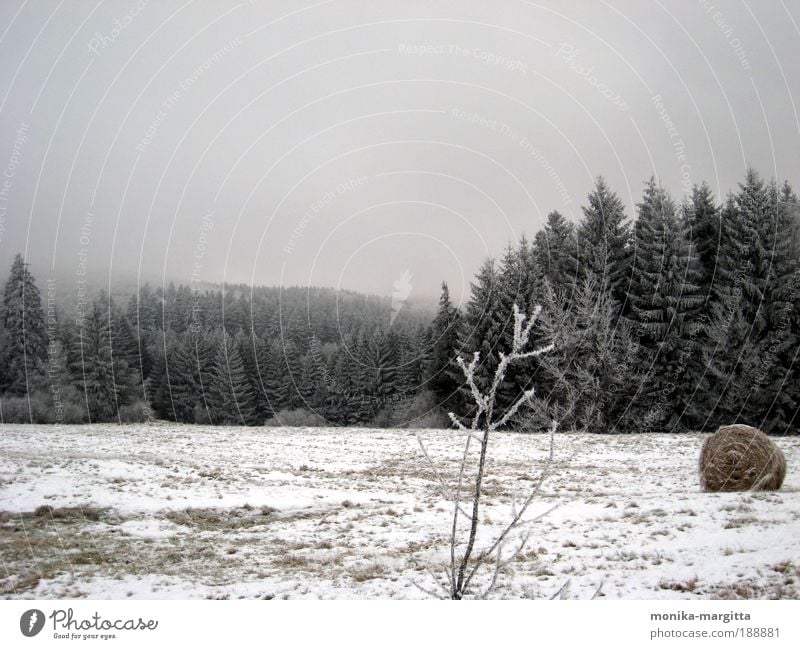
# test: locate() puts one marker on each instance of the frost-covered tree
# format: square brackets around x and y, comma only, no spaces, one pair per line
[467,563]
[445,345]
[701,221]
[175,391]
[555,249]
[24,351]
[750,335]
[664,302]
[92,365]
[604,241]
[476,331]
[589,380]
[230,395]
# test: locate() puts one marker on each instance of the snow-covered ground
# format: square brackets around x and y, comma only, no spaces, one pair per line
[187,511]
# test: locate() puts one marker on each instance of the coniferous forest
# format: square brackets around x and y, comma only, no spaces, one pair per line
[683,318]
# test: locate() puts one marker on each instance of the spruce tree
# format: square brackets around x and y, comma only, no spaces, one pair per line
[290,364]
[701,218]
[517,283]
[750,333]
[176,393]
[590,377]
[664,301]
[478,326]
[790,394]
[272,374]
[445,347]
[91,364]
[204,362]
[230,394]
[24,353]
[381,366]
[604,241]
[345,392]
[315,376]
[556,252]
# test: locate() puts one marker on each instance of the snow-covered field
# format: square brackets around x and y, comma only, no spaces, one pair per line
[187,511]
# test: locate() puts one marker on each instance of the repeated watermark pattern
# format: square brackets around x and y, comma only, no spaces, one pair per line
[486,57]
[315,208]
[569,53]
[522,141]
[678,145]
[180,91]
[7,181]
[728,32]
[101,40]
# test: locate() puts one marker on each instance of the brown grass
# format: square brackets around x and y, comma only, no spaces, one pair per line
[688,586]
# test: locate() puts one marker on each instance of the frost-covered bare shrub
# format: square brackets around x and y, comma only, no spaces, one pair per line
[38,409]
[466,561]
[15,410]
[420,411]
[135,413]
[297,417]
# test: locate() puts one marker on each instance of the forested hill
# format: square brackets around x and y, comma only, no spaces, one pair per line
[231,355]
[293,313]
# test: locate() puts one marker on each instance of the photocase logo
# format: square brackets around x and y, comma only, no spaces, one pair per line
[31,622]
[402,289]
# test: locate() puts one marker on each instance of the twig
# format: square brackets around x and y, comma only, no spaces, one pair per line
[464,568]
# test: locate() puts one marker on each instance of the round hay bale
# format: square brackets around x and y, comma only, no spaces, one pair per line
[741,458]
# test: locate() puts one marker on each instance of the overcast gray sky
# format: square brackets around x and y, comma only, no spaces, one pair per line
[341,143]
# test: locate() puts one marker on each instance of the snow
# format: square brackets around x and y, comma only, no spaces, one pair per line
[162,511]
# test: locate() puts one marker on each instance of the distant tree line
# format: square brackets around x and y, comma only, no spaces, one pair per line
[233,356]
[684,319]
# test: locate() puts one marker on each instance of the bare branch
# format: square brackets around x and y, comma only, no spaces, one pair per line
[457,422]
[560,592]
[597,592]
[436,473]
[536,352]
[524,399]
[439,478]
[469,374]
[461,571]
[430,592]
[517,519]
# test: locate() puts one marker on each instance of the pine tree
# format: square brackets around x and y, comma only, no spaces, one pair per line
[750,333]
[381,366]
[478,332]
[556,252]
[272,373]
[255,356]
[604,241]
[790,394]
[24,353]
[290,363]
[664,301]
[588,380]
[414,360]
[445,347]
[230,394]
[91,364]
[176,393]
[345,393]
[701,218]
[204,363]
[517,284]
[315,376]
